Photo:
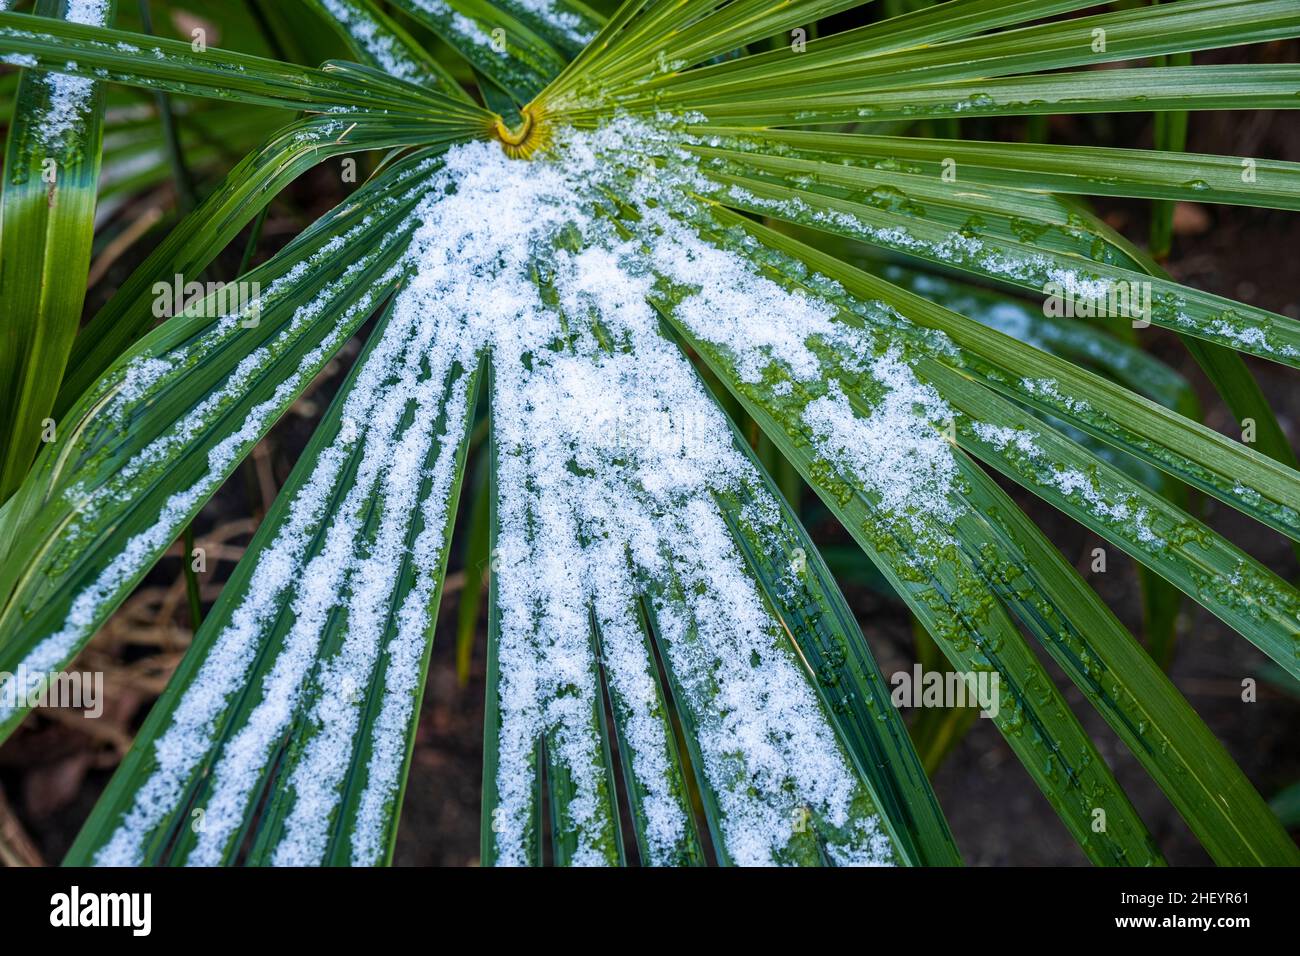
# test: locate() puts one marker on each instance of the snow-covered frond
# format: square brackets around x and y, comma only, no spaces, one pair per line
[610,461]
[296,719]
[222,371]
[493,41]
[663,637]
[380,41]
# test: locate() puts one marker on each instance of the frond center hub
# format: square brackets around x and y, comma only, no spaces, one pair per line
[525,139]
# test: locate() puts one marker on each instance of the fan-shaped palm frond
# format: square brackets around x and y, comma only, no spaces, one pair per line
[654,227]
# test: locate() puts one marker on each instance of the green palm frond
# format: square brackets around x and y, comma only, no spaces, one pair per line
[52,161]
[645,224]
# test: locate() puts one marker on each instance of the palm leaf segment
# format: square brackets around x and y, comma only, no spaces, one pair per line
[645,568]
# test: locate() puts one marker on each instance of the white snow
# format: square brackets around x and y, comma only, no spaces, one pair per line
[1098,496]
[465,28]
[69,96]
[375,40]
[566,22]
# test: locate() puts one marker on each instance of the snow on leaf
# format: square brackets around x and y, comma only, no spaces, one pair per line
[69,96]
[610,456]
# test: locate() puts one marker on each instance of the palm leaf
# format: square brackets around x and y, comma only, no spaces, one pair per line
[383,44]
[196,394]
[222,762]
[47,210]
[668,655]
[497,44]
[176,67]
[196,240]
